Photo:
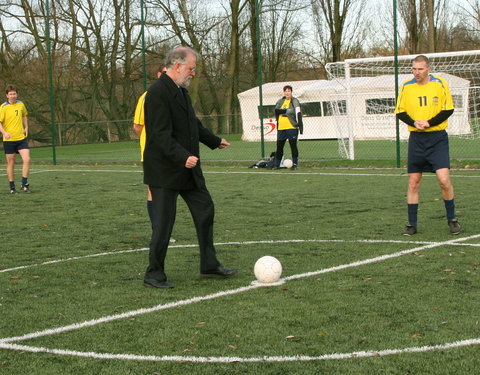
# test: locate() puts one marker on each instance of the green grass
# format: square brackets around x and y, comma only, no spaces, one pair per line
[464,153]
[425,298]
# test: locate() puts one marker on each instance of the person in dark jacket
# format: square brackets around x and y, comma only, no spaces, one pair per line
[172,166]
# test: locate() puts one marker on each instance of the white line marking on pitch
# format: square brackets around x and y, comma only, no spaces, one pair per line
[129,314]
[217,244]
[266,173]
[323,357]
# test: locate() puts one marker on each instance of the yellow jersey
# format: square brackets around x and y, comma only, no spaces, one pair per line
[423,102]
[283,121]
[139,119]
[11,117]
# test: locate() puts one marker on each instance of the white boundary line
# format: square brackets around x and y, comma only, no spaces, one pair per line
[5,343]
[323,357]
[218,244]
[267,172]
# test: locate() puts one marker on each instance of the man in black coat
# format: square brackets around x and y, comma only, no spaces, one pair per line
[172,166]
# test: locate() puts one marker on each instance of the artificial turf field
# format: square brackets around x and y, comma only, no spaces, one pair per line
[356,296]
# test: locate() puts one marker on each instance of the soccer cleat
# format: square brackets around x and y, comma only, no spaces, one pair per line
[26,188]
[294,167]
[454,226]
[13,191]
[410,230]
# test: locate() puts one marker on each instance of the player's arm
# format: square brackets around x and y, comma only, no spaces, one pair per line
[25,125]
[298,113]
[278,110]
[139,115]
[405,117]
[5,134]
[441,117]
[138,129]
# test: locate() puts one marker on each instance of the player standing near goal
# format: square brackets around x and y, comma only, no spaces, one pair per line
[425,104]
[14,128]
[289,122]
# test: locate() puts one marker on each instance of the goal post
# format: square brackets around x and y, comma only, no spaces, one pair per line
[366,87]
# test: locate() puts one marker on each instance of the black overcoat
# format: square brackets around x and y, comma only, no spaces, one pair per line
[173,134]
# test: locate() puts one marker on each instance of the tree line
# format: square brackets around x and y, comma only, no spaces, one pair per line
[99,48]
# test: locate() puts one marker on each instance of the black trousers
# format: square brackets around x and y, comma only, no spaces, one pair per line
[202,209]
[293,148]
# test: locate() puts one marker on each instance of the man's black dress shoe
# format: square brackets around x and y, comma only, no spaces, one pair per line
[220,273]
[157,284]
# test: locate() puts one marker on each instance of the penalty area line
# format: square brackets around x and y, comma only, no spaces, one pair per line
[323,357]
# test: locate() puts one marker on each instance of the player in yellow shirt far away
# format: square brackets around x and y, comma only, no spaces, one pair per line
[139,126]
[14,128]
[425,104]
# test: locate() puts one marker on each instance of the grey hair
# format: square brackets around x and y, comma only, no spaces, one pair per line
[179,55]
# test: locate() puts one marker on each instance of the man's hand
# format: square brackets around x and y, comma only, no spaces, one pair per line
[191,162]
[223,144]
[6,135]
[421,124]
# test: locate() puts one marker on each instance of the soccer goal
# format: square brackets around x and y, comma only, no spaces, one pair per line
[364,101]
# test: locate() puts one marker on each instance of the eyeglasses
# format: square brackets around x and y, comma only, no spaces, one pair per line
[192,70]
[164,71]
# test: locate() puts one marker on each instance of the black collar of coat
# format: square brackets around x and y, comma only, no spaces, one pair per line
[175,90]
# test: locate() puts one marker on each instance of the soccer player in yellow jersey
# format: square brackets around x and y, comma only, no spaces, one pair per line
[14,128]
[289,122]
[425,104]
[139,126]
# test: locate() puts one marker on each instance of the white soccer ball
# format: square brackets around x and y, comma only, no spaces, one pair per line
[268,269]
[288,163]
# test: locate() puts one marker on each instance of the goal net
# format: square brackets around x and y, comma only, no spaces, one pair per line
[364,101]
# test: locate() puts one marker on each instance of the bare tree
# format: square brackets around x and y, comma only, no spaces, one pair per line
[412,13]
[426,24]
[188,24]
[429,4]
[470,14]
[254,37]
[340,26]
[464,32]
[281,36]
[96,48]
[92,53]
[232,65]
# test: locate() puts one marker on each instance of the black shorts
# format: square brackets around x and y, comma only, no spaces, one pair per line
[12,147]
[283,135]
[428,151]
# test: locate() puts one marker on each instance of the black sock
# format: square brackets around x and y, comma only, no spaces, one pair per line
[450,208]
[412,214]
